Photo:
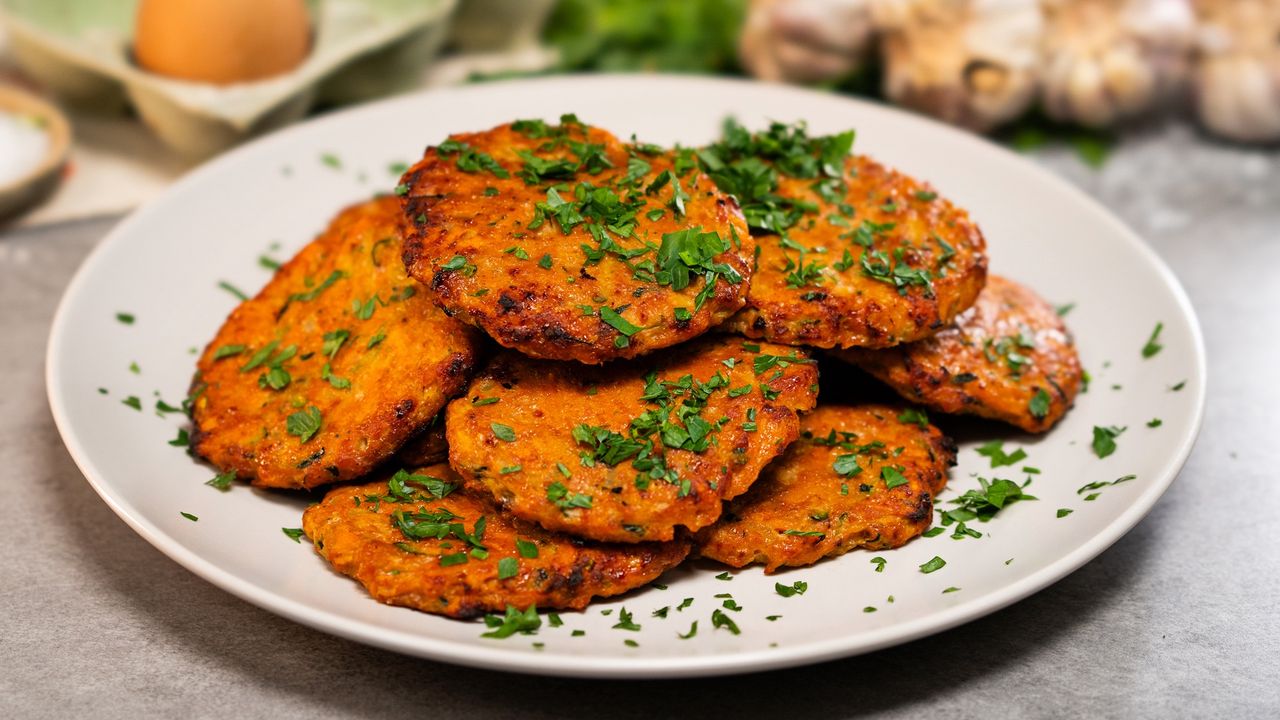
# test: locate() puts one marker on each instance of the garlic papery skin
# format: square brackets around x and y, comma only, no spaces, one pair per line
[805,41]
[972,63]
[1236,77]
[1106,60]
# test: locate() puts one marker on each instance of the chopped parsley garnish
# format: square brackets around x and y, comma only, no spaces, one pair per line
[1038,406]
[721,620]
[999,458]
[933,565]
[1154,423]
[617,322]
[125,318]
[560,495]
[913,416]
[1101,484]
[951,590]
[879,562]
[1063,512]
[693,630]
[846,465]
[471,160]
[892,477]
[625,621]
[188,516]
[233,290]
[222,481]
[183,439]
[460,264]
[133,402]
[304,423]
[504,433]
[796,588]
[525,622]
[294,534]
[508,567]
[227,351]
[1153,346]
[1104,439]
[982,505]
[869,609]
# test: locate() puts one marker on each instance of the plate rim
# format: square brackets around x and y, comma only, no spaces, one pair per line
[499,658]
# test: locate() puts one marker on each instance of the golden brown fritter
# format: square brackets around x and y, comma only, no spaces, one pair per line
[1008,358]
[333,366]
[852,254]
[564,243]
[857,477]
[412,541]
[428,447]
[631,451]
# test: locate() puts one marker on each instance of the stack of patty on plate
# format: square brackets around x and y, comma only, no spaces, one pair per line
[555,364]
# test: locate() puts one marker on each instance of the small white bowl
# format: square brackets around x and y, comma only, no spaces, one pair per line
[27,190]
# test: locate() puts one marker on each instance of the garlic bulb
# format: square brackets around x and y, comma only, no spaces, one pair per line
[1104,60]
[804,40]
[1237,70]
[969,62]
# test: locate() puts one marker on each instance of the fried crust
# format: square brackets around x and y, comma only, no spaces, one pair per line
[992,362]
[501,284]
[422,359]
[848,307]
[354,528]
[801,492]
[428,447]
[544,403]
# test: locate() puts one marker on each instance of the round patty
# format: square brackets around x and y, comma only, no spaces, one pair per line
[857,477]
[1008,358]
[564,243]
[852,254]
[335,364]
[415,540]
[629,452]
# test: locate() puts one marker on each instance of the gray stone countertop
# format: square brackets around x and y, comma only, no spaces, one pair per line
[1181,618]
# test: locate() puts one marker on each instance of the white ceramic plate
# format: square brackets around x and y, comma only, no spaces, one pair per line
[164,263]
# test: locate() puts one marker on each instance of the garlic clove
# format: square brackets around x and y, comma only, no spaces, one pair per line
[804,40]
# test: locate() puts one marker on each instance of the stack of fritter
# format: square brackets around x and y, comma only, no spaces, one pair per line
[650,389]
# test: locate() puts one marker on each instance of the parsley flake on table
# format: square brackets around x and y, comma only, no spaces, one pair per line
[125,318]
[294,534]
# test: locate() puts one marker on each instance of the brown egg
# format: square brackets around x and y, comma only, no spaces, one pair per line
[222,41]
